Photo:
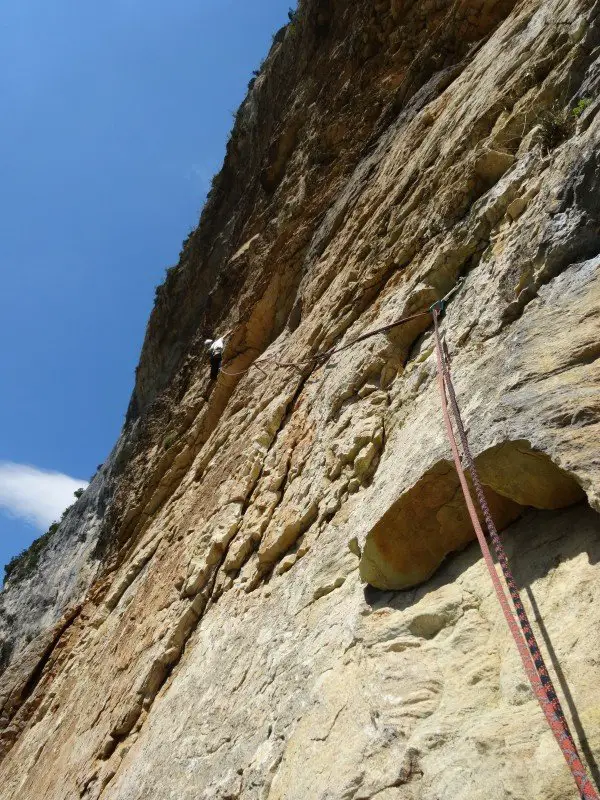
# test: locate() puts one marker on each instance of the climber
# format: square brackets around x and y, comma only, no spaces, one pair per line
[215,352]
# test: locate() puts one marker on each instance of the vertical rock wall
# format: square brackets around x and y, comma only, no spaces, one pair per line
[279,596]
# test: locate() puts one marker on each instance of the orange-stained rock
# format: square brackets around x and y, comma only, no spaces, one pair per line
[227,645]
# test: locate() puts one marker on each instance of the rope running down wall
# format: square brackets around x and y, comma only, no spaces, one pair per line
[525,640]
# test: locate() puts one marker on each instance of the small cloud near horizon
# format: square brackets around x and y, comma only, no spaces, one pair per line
[35,495]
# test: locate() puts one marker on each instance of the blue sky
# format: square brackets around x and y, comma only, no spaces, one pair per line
[114,119]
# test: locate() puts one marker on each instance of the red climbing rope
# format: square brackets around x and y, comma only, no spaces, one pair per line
[319,357]
[524,638]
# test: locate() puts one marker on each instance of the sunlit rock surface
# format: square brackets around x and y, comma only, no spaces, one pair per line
[271,591]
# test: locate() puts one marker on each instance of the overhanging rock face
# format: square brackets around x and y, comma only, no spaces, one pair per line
[216,637]
[430,520]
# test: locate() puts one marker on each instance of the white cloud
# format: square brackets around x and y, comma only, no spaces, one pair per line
[36,495]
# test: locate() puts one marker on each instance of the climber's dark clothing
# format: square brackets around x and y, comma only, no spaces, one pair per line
[215,352]
[215,365]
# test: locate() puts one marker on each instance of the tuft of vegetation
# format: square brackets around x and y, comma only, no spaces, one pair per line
[239,123]
[255,74]
[170,270]
[581,106]
[294,16]
[98,468]
[557,125]
[214,186]
[291,26]
[23,565]
[185,243]
[169,440]
[558,122]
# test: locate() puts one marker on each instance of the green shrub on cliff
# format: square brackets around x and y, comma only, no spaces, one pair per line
[558,122]
[169,440]
[557,125]
[581,106]
[23,565]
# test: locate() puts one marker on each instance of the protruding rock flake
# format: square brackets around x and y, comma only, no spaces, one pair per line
[272,588]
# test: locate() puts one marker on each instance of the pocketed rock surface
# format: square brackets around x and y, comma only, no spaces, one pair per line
[271,589]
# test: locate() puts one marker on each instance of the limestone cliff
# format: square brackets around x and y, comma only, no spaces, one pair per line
[271,588]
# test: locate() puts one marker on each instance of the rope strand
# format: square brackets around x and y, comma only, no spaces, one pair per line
[524,638]
[331,352]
